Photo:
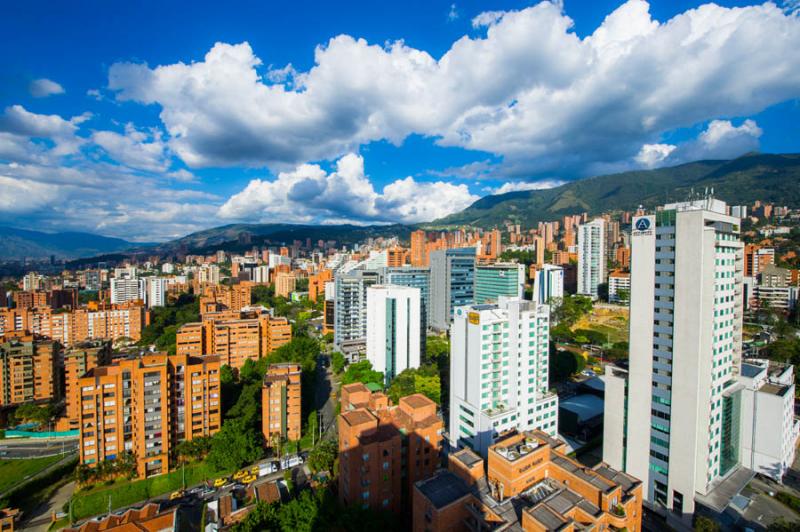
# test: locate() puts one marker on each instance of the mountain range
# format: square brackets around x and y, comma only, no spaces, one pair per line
[23,243]
[773,178]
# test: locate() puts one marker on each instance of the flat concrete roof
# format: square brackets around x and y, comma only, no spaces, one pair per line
[443,489]
[467,457]
[585,406]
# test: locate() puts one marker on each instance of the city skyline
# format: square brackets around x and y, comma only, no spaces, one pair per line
[369,115]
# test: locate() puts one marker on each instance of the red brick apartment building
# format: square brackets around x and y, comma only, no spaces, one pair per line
[384,449]
[281,403]
[147,405]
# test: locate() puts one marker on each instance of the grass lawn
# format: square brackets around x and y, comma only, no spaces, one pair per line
[13,472]
[94,500]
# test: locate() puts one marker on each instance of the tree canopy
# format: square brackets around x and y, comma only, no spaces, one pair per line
[424,380]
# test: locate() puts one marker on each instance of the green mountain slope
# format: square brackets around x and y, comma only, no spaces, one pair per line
[240,237]
[740,181]
[18,243]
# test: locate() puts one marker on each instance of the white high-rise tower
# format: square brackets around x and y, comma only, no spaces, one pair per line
[499,372]
[591,257]
[682,398]
[394,323]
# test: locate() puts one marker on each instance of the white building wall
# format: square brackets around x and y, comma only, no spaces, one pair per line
[499,372]
[591,257]
[406,324]
[156,291]
[124,290]
[548,284]
[615,381]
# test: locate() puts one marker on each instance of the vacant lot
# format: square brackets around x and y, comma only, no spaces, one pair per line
[611,321]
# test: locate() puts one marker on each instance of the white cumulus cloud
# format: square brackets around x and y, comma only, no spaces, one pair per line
[144,150]
[516,186]
[527,89]
[720,140]
[310,194]
[42,88]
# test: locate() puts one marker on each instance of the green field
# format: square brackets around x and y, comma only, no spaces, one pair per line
[94,501]
[13,472]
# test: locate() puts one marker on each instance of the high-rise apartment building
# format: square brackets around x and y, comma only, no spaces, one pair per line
[415,278]
[280,404]
[285,283]
[498,279]
[452,283]
[394,323]
[220,297]
[234,336]
[316,284]
[385,449]
[146,406]
[29,370]
[499,372]
[674,421]
[156,294]
[591,257]
[124,290]
[548,284]
[78,360]
[350,311]
[419,256]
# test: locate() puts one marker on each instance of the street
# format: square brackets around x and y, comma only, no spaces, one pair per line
[33,447]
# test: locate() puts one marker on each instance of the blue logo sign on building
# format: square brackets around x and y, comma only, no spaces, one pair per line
[642,226]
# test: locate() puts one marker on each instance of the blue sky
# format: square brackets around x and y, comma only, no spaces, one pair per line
[148,121]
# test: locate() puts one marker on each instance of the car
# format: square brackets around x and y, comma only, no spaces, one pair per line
[176,495]
[249,478]
[239,474]
[254,470]
[220,482]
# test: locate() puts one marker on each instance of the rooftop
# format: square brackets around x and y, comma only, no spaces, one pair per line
[467,457]
[751,370]
[443,489]
[585,406]
[358,417]
[416,401]
[774,389]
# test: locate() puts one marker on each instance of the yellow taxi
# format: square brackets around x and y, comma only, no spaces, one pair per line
[176,495]
[249,478]
[220,482]
[239,474]
[254,470]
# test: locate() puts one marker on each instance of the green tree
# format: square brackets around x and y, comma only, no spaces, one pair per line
[323,456]
[361,372]
[424,380]
[704,524]
[782,525]
[338,362]
[235,446]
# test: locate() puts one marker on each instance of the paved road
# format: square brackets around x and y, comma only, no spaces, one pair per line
[323,402]
[39,520]
[33,447]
